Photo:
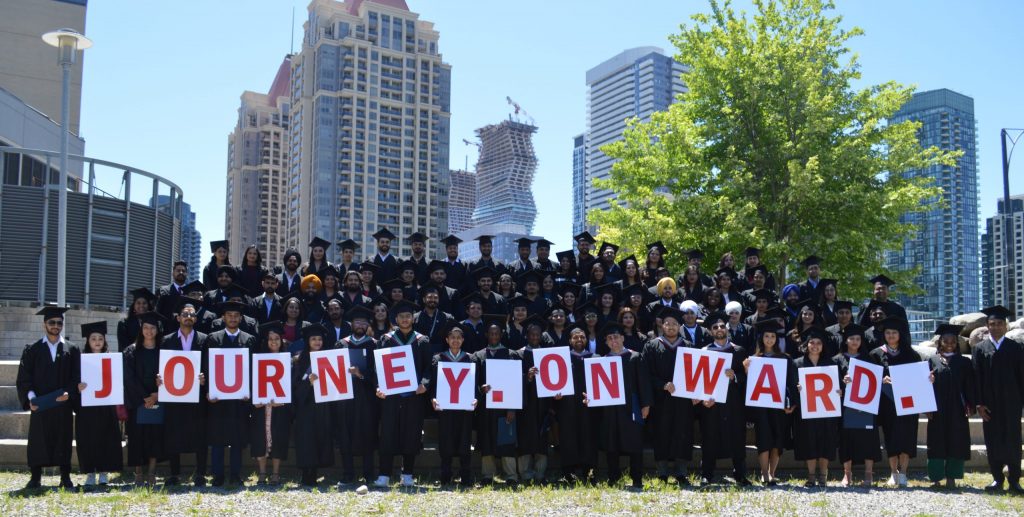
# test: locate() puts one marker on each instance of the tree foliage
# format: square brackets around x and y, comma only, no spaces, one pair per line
[772,147]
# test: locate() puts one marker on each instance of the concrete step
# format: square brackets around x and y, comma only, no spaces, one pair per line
[9,398]
[8,373]
[14,424]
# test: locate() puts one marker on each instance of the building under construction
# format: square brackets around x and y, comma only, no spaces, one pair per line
[504,176]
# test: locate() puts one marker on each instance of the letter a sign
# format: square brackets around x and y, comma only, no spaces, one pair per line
[766,383]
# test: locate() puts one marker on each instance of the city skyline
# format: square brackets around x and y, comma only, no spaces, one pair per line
[896,47]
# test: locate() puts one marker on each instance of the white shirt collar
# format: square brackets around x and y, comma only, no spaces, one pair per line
[232,334]
[997,343]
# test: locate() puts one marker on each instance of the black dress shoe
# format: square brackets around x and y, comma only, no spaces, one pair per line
[995,486]
[218,481]
[66,484]
[199,482]
[236,480]
[33,484]
[705,481]
[1015,488]
[171,481]
[742,481]
[683,481]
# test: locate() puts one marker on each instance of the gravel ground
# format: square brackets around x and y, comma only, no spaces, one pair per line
[656,499]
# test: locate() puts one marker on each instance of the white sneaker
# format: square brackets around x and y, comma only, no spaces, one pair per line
[382,482]
[407,480]
[103,478]
[902,480]
[893,480]
[90,480]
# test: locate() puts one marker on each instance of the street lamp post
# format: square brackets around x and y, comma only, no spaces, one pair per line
[68,42]
[1008,226]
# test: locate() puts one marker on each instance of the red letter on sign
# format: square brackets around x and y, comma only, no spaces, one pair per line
[703,368]
[189,376]
[106,386]
[390,369]
[266,378]
[454,382]
[610,380]
[819,385]
[864,384]
[766,384]
[562,369]
[218,366]
[340,381]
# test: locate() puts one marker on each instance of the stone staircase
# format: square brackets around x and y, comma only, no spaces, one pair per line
[14,425]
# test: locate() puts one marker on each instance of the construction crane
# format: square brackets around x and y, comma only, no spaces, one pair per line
[518,109]
[469,142]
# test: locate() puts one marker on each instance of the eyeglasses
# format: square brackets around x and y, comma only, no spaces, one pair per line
[719,326]
[55,323]
[188,315]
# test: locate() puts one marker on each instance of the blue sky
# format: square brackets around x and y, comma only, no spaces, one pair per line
[162,83]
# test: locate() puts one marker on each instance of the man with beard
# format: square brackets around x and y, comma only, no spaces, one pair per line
[312,307]
[486,245]
[167,295]
[524,263]
[185,424]
[267,306]
[531,285]
[236,294]
[337,327]
[418,259]
[357,418]
[544,262]
[447,298]
[613,273]
[809,289]
[494,303]
[352,291]
[289,279]
[584,261]
[722,424]
[225,279]
[387,263]
[431,321]
[455,270]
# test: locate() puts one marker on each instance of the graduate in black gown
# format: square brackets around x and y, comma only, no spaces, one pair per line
[949,433]
[314,441]
[999,371]
[97,429]
[534,421]
[815,440]
[723,424]
[454,427]
[145,432]
[577,447]
[270,424]
[48,367]
[772,427]
[128,328]
[227,421]
[357,418]
[622,426]
[900,432]
[672,417]
[185,423]
[401,415]
[856,445]
[493,450]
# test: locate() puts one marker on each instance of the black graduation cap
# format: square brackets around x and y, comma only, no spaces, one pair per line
[893,323]
[484,239]
[695,254]
[271,326]
[270,274]
[317,242]
[606,246]
[234,291]
[535,320]
[384,233]
[219,244]
[369,266]
[763,294]
[482,272]
[658,246]
[581,312]
[716,317]
[152,318]
[875,304]
[774,313]
[451,240]
[500,320]
[622,263]
[453,324]
[196,303]
[326,272]
[524,242]
[812,333]
[427,289]
[612,288]
[144,292]
[394,283]
[762,268]
[406,265]
[610,328]
[567,254]
[52,310]
[359,311]
[96,326]
[946,328]
[227,268]
[636,288]
[824,282]
[435,265]
[812,260]
[843,304]
[769,325]
[584,236]
[997,312]
[808,304]
[726,271]
[403,306]
[518,301]
[531,275]
[418,237]
[664,311]
[348,244]
[882,279]
[547,313]
[544,243]
[313,330]
[232,306]
[853,330]
[475,296]
[569,286]
[752,251]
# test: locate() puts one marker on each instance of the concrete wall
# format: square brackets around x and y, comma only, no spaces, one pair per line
[19,326]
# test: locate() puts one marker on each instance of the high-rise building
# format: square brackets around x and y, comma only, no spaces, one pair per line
[28,66]
[504,173]
[945,245]
[256,208]
[369,132]
[993,255]
[190,241]
[461,200]
[579,183]
[634,83]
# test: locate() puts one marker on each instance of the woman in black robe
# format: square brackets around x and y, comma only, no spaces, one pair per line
[558,327]
[270,424]
[251,271]
[97,429]
[577,449]
[622,426]
[672,417]
[141,365]
[856,445]
[454,427]
[314,441]
[128,328]
[634,338]
[218,259]
[357,418]
[772,427]
[815,439]
[949,433]
[533,421]
[900,432]
[489,445]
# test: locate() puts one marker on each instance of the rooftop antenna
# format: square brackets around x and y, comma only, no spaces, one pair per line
[291,42]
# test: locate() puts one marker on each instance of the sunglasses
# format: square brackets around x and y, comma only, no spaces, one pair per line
[718,326]
[55,323]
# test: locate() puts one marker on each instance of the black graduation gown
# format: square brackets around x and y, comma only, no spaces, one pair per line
[454,427]
[184,423]
[127,332]
[473,340]
[577,439]
[280,431]
[486,420]
[857,445]
[828,316]
[534,421]
[401,416]
[145,441]
[421,268]
[210,275]
[97,436]
[672,417]
[622,427]
[583,266]
[49,431]
[455,274]
[314,440]
[432,327]
[251,278]
[356,419]
[262,313]
[227,421]
[899,432]
[557,340]
[815,438]
[949,433]
[701,339]
[388,268]
[723,426]
[309,268]
[742,335]
[1000,380]
[167,306]
[773,427]
[351,301]
[288,286]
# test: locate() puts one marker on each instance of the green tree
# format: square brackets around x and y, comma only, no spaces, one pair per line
[772,147]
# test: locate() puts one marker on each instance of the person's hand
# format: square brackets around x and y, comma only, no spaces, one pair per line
[729,374]
[644,411]
[312,379]
[746,364]
[931,376]
[275,404]
[474,403]
[485,388]
[33,407]
[586,399]
[531,373]
[695,402]
[380,394]
[558,396]
[160,380]
[211,399]
[437,407]
[421,389]
[510,416]
[669,387]
[259,406]
[886,380]
[82,386]
[709,402]
[984,413]
[354,370]
[847,380]
[799,387]
[789,410]
[202,379]
[246,398]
